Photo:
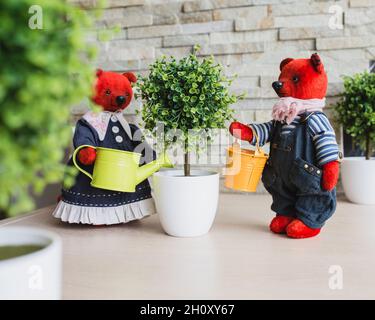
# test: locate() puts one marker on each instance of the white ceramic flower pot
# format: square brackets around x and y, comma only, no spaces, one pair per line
[358,179]
[186,205]
[35,275]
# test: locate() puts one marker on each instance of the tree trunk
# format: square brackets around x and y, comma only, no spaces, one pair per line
[186,159]
[368,150]
[187,164]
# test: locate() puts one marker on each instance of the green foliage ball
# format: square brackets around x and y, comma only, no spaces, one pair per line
[186,94]
[356,109]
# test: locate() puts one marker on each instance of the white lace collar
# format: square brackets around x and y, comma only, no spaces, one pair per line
[100,120]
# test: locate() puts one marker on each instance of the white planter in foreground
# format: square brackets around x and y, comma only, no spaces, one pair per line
[36,275]
[186,205]
[358,179]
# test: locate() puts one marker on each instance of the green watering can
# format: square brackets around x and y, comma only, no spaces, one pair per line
[119,170]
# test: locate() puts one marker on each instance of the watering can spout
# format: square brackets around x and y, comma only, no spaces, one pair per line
[148,169]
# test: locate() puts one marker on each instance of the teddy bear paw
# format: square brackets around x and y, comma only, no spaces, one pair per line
[241,131]
[298,230]
[280,223]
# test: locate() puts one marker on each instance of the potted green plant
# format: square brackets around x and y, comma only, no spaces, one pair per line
[189,97]
[46,68]
[356,112]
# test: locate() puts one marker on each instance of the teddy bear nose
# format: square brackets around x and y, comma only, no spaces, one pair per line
[120,100]
[277,85]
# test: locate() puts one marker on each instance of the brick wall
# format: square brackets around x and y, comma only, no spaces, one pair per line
[249,37]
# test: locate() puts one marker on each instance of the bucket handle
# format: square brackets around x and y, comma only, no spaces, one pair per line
[75,160]
[258,149]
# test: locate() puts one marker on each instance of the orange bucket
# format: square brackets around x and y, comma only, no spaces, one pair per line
[244,167]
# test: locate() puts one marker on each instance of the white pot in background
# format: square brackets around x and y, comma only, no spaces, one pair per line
[36,275]
[358,179]
[186,205]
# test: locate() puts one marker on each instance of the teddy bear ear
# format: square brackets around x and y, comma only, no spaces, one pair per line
[131,76]
[99,72]
[317,63]
[285,62]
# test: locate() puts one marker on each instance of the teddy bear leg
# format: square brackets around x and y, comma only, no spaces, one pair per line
[312,211]
[280,223]
[298,230]
[283,201]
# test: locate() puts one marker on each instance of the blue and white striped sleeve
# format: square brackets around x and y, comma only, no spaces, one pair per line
[263,130]
[324,139]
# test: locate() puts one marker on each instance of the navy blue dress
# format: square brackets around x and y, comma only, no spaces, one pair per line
[83,203]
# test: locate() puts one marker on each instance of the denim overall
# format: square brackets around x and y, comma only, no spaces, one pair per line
[293,177]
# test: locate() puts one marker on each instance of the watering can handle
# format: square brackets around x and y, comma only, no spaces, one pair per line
[75,160]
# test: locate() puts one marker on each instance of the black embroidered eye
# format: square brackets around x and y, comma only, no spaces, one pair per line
[295,79]
[108,92]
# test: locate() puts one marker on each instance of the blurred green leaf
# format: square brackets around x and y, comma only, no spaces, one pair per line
[43,72]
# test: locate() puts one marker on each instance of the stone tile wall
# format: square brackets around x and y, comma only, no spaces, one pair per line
[249,37]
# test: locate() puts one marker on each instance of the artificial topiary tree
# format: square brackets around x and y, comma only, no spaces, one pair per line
[45,68]
[186,95]
[356,110]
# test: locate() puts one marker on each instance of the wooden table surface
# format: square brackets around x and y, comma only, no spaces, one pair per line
[238,259]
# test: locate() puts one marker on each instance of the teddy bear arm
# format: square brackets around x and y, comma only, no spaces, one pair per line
[84,135]
[325,143]
[241,131]
[330,175]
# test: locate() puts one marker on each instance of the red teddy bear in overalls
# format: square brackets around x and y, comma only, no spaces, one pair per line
[302,170]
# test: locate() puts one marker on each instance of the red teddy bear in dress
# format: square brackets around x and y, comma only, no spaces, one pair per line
[106,128]
[113,92]
[303,168]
